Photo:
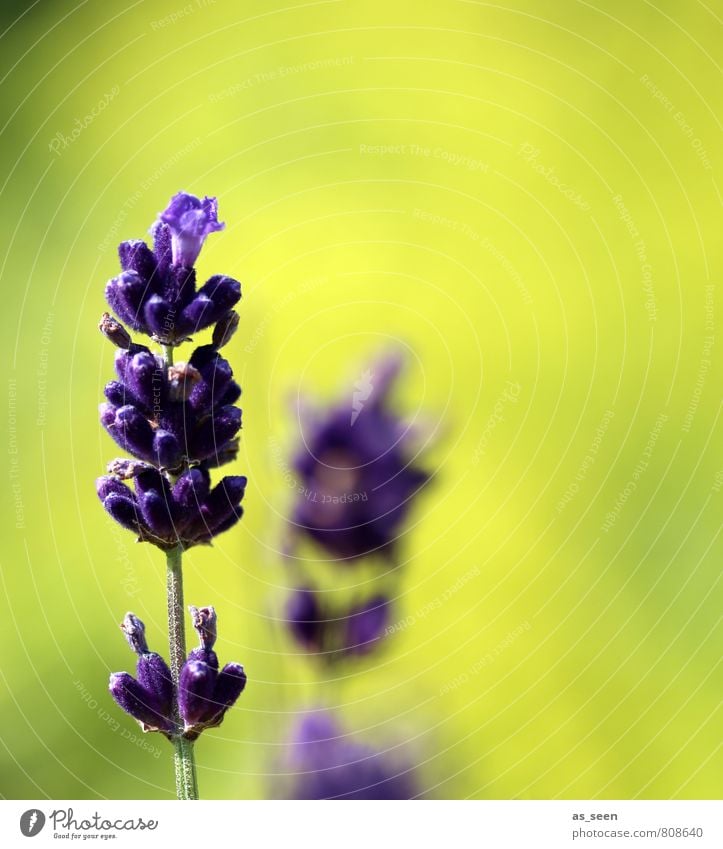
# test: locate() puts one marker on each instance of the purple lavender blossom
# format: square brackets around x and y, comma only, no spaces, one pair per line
[156,291]
[204,693]
[357,479]
[188,512]
[328,764]
[173,416]
[190,220]
[353,632]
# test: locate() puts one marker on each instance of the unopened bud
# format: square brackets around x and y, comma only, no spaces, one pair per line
[135,633]
[114,331]
[204,621]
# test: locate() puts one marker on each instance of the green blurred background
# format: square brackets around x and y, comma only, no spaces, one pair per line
[523,195]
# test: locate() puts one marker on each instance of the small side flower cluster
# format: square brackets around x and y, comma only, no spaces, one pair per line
[204,692]
[177,420]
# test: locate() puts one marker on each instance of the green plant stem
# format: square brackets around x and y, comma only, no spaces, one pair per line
[183,758]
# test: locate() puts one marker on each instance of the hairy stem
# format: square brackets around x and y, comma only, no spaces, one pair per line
[183,759]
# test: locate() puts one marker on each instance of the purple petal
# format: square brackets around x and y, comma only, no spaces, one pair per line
[190,220]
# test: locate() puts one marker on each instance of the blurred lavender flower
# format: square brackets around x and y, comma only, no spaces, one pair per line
[156,291]
[204,693]
[353,633]
[357,476]
[329,765]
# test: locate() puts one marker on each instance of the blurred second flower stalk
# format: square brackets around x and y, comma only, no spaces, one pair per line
[357,477]
[178,421]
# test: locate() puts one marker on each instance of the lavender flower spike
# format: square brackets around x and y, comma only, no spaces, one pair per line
[178,422]
[190,220]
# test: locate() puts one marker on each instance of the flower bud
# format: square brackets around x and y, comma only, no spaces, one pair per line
[135,633]
[114,331]
[204,621]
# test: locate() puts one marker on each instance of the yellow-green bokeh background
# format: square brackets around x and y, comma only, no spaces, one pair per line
[487,273]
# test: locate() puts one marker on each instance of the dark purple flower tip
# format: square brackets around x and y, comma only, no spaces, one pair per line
[190,491]
[224,292]
[114,331]
[130,429]
[142,377]
[223,502]
[125,295]
[204,622]
[225,329]
[189,220]
[135,255]
[135,632]
[141,704]
[119,502]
